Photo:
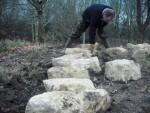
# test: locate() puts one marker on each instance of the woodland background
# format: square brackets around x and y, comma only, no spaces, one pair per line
[32,33]
[54,20]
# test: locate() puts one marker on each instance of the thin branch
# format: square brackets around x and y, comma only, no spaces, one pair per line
[147,22]
[139,11]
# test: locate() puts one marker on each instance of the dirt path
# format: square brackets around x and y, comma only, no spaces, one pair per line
[133,97]
[21,73]
[29,68]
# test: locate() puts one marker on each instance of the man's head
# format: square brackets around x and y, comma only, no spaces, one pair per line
[108,15]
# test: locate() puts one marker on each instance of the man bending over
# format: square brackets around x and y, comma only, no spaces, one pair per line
[95,17]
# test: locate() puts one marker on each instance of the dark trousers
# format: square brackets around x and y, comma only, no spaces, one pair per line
[81,28]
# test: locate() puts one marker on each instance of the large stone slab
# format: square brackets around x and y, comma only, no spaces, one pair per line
[133,47]
[68,84]
[84,46]
[88,46]
[90,64]
[54,102]
[115,53]
[141,54]
[99,98]
[82,64]
[89,101]
[122,70]
[67,59]
[67,72]
[77,51]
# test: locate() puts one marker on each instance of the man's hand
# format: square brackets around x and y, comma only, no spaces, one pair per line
[103,37]
[92,46]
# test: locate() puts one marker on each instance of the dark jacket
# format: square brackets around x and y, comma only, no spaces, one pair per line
[93,16]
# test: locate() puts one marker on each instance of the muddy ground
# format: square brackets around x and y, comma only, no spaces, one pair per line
[27,69]
[24,75]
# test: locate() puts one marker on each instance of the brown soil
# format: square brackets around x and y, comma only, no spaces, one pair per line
[26,81]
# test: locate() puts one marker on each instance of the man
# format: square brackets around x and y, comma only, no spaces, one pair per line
[95,17]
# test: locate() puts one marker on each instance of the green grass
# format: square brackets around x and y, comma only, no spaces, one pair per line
[6,73]
[37,53]
[5,45]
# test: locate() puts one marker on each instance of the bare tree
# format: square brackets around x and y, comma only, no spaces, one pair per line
[39,6]
[143,25]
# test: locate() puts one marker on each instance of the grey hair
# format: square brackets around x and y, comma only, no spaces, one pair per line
[108,12]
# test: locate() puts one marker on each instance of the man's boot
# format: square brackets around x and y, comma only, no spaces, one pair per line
[76,35]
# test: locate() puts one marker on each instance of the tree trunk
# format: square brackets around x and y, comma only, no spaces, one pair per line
[40,28]
[39,5]
[142,26]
